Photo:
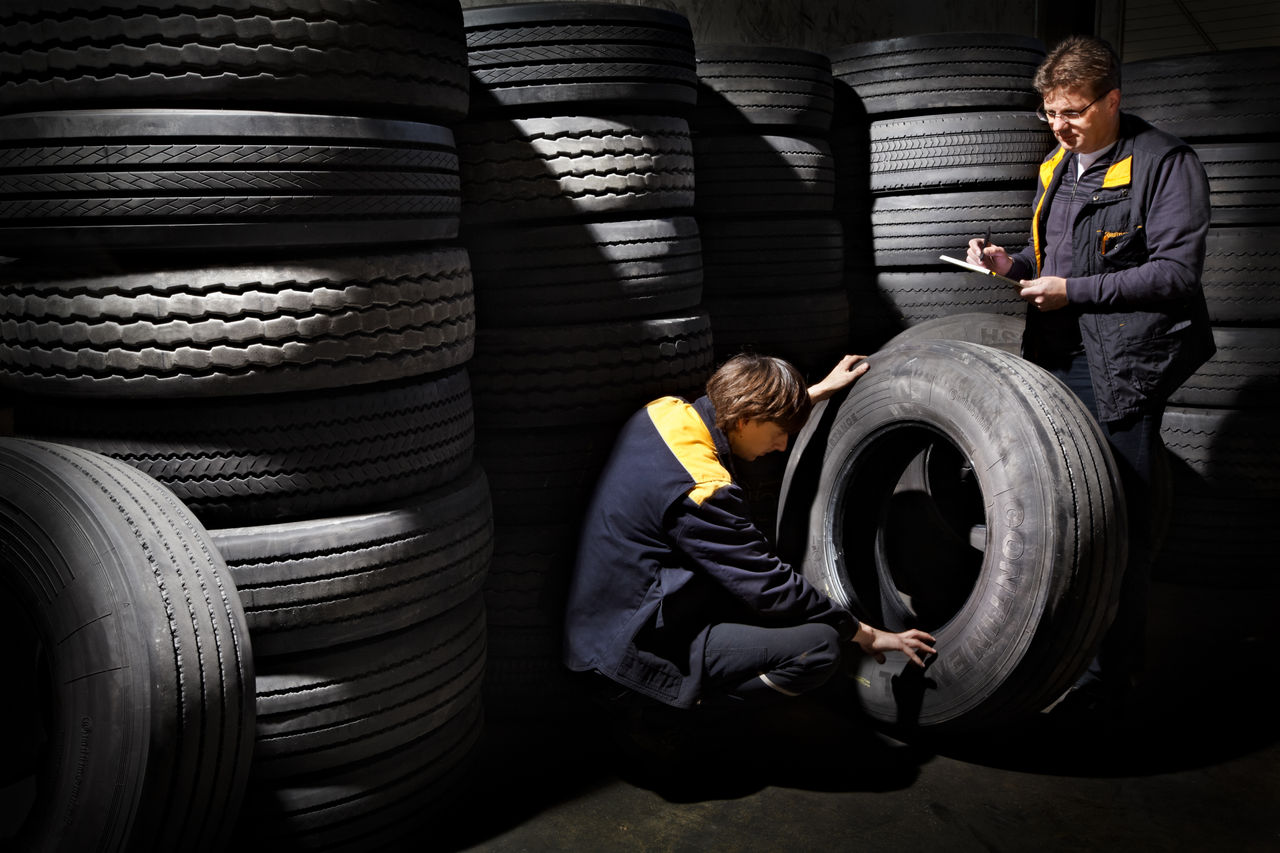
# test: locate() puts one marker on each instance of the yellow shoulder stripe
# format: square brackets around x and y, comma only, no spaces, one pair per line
[1047,167]
[689,439]
[1119,175]
[1046,178]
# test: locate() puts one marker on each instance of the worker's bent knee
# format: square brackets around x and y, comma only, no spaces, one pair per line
[818,659]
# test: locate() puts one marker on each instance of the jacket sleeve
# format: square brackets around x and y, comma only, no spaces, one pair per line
[1177,223]
[1024,265]
[719,538]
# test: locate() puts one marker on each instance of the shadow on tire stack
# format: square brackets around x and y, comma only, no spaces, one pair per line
[235,268]
[1221,427]
[772,247]
[765,199]
[577,176]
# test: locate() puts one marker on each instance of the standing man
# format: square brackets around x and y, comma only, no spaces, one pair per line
[676,595]
[1115,308]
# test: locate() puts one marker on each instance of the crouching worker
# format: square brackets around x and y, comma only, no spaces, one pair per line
[677,597]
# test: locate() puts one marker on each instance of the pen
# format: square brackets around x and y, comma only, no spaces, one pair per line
[986,241]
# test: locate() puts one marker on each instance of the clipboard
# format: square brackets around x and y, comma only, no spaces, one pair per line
[980,270]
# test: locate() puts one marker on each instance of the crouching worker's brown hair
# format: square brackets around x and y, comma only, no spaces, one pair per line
[762,388]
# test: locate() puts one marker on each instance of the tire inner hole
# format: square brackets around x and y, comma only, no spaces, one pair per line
[913,529]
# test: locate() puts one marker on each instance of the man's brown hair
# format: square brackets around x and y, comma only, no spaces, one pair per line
[1079,62]
[758,387]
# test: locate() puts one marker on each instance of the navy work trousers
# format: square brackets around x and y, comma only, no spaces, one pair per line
[753,664]
[1134,442]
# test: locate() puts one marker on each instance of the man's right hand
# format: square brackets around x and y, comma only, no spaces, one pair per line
[992,257]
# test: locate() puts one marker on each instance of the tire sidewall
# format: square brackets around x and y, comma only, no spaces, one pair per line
[967,402]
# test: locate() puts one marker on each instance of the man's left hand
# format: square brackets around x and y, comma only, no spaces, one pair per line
[844,375]
[913,643]
[1048,293]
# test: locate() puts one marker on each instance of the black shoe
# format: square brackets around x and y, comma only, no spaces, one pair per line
[656,739]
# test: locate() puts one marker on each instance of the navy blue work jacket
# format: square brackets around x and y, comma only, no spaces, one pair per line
[667,550]
[1138,248]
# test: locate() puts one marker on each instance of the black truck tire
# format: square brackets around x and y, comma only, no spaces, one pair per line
[527,57]
[809,329]
[1226,483]
[1207,95]
[390,56]
[586,272]
[594,373]
[1002,331]
[531,169]
[339,706]
[312,584]
[176,329]
[1244,181]
[133,700]
[757,174]
[941,71]
[745,87]
[967,492]
[1244,373]
[950,151]
[388,802]
[913,230]
[771,254]
[916,297]
[1242,274]
[170,179]
[268,457]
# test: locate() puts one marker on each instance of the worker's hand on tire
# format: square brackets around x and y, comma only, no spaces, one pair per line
[913,643]
[844,374]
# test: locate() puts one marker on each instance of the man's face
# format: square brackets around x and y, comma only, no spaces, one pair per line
[751,439]
[1097,126]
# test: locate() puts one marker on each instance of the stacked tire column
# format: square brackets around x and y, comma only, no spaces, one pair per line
[577,171]
[239,273]
[772,246]
[945,129]
[1221,427]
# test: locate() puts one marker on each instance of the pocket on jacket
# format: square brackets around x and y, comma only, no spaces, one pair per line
[1150,352]
[1122,249]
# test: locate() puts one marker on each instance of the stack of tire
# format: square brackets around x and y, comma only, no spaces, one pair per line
[577,176]
[772,249]
[1221,428]
[235,224]
[936,142]
[771,244]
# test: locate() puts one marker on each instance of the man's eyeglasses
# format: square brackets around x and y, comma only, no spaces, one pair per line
[1068,115]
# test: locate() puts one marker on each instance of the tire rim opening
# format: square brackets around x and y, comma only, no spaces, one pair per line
[26,718]
[911,528]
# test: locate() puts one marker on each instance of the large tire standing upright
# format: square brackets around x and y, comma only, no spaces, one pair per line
[130,685]
[967,492]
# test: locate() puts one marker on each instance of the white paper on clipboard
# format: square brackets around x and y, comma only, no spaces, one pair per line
[981,270]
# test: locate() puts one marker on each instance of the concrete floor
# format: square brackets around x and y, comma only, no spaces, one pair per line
[1199,772]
